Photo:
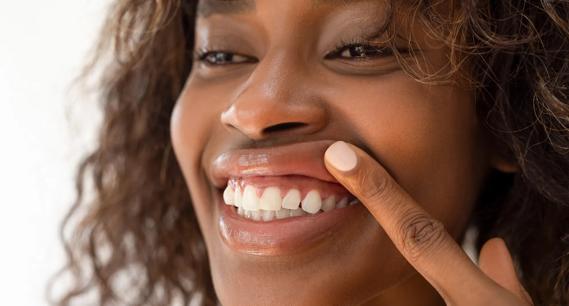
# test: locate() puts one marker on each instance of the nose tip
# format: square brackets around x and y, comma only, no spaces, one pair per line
[260,121]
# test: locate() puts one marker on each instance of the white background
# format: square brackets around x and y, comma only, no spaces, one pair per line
[45,126]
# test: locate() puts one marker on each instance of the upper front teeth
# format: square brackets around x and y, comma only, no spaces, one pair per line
[250,198]
[312,202]
[292,199]
[271,200]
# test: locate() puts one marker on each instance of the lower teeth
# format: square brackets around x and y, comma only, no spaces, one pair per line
[283,213]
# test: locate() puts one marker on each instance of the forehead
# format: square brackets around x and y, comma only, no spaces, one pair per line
[210,7]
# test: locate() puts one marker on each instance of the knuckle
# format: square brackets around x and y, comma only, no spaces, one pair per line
[372,184]
[421,234]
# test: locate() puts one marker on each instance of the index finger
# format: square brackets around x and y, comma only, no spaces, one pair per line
[420,238]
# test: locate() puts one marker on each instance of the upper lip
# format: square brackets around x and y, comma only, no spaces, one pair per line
[301,158]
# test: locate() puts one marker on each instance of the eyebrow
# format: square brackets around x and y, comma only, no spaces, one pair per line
[209,7]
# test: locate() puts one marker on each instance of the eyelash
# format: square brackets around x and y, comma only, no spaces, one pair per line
[202,54]
[358,42]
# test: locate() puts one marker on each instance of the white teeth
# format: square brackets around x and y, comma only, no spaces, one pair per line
[312,202]
[267,215]
[270,205]
[250,199]
[238,198]
[271,199]
[291,199]
[282,213]
[297,212]
[329,203]
[228,195]
[256,215]
[343,202]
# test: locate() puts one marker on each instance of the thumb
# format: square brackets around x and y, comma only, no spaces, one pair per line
[496,262]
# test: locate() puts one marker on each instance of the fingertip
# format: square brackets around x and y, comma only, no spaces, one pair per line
[341,156]
[493,252]
[494,244]
[496,262]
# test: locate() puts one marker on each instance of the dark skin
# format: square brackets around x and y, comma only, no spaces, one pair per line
[426,139]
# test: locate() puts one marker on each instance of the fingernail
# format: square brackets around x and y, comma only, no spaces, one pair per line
[341,156]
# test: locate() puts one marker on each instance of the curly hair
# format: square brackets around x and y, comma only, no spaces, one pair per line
[136,240]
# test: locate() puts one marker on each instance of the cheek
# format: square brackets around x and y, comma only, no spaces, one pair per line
[194,120]
[191,128]
[427,138]
[188,126]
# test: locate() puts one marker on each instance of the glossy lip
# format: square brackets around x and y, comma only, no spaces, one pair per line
[279,236]
[303,158]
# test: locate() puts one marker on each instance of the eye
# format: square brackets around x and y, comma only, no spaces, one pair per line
[364,51]
[221,58]
[359,51]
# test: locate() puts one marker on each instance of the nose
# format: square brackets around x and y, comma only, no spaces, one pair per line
[276,99]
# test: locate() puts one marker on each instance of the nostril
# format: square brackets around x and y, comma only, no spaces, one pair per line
[283,127]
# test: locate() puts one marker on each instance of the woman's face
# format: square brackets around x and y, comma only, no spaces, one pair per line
[258,112]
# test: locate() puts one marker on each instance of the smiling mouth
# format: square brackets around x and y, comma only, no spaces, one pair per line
[280,200]
[268,198]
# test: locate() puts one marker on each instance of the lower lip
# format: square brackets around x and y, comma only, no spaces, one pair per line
[281,236]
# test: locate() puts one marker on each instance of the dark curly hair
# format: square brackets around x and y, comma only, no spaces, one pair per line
[137,227]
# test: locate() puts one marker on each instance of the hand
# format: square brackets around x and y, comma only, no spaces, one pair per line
[422,240]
